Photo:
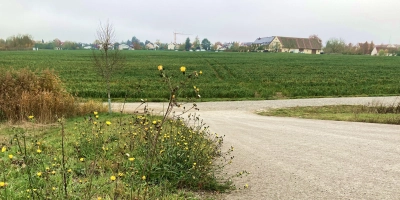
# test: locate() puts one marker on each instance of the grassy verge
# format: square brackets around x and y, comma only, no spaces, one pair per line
[104,156]
[355,113]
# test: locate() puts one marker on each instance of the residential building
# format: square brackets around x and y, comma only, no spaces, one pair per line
[124,47]
[388,50]
[172,46]
[263,41]
[152,46]
[298,45]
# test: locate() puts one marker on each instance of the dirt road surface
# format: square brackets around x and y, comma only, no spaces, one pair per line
[290,158]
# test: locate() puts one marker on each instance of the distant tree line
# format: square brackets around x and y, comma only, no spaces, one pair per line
[57,44]
[136,44]
[17,42]
[339,46]
[26,42]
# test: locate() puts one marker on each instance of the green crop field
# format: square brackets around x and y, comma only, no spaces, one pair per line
[225,75]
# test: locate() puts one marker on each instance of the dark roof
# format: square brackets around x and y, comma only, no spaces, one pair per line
[264,40]
[246,43]
[300,43]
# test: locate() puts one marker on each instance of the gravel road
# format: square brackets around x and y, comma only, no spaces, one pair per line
[291,158]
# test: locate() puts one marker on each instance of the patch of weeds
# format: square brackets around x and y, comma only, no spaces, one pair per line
[371,113]
[116,156]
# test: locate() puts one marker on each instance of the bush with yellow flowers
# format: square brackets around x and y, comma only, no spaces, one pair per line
[116,156]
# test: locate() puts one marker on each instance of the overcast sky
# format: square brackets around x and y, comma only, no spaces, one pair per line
[217,20]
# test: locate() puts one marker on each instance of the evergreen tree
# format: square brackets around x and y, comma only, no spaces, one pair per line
[187,44]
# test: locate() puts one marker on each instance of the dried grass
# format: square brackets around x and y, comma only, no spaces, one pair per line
[24,93]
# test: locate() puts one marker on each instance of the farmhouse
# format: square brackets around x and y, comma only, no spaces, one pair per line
[290,44]
[298,45]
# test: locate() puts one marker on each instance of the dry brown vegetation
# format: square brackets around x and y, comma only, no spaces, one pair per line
[25,93]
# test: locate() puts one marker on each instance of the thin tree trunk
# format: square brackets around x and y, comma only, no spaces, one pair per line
[109,97]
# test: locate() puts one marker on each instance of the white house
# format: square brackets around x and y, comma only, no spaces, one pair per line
[389,50]
[151,46]
[124,47]
[171,46]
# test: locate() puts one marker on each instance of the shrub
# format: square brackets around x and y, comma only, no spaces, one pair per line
[24,94]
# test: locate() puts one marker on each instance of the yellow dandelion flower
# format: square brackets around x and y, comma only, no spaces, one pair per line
[121,174]
[53,172]
[143,177]
[2,184]
[113,178]
[95,113]
[108,123]
[47,168]
[183,69]
[154,122]
[53,188]
[94,123]
[30,117]
[81,159]
[4,149]
[39,174]
[98,198]
[39,151]
[131,159]
[97,116]
[246,186]
[69,170]
[10,156]
[201,72]
[160,67]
